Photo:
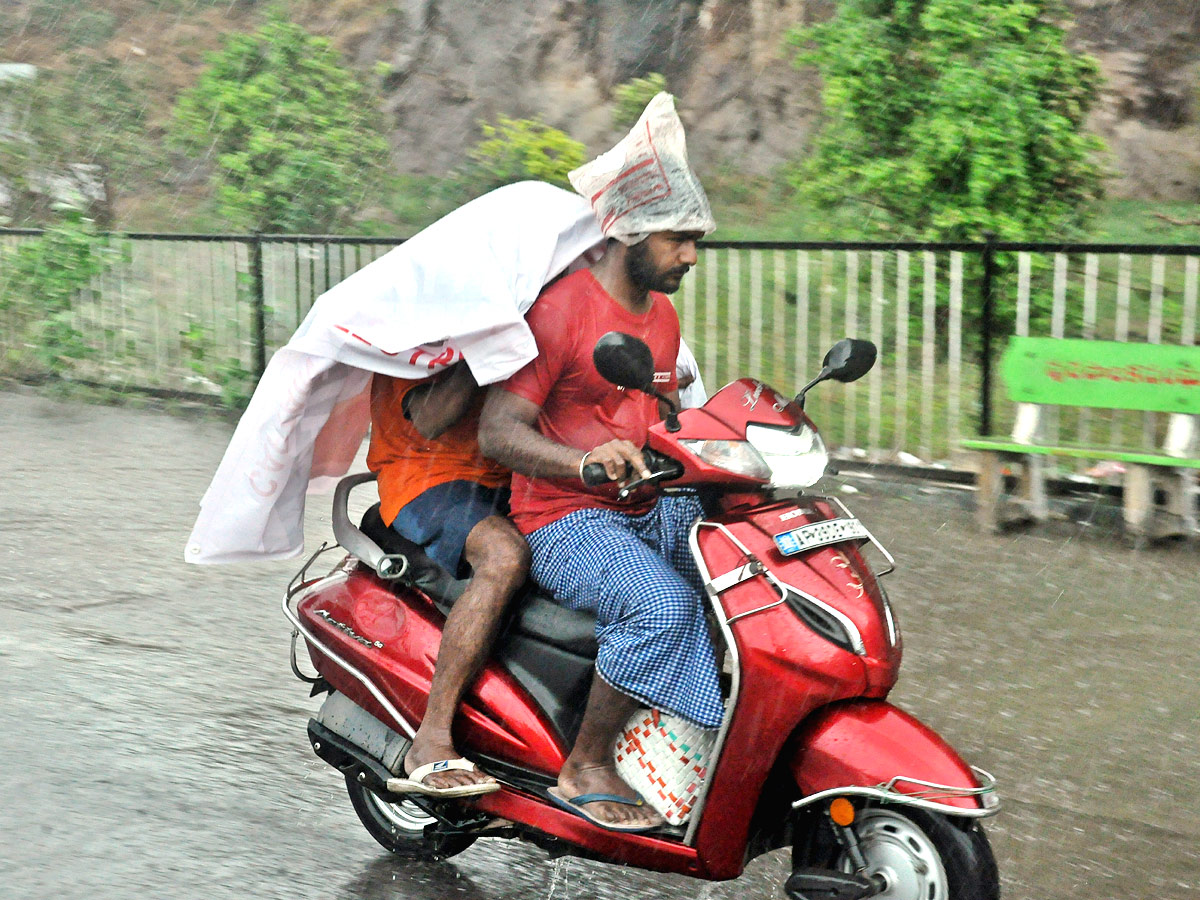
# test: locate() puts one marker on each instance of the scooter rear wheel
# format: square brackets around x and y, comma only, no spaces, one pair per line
[403,827]
[924,856]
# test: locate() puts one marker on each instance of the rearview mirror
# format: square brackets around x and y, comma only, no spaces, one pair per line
[850,359]
[627,362]
[847,360]
[624,361]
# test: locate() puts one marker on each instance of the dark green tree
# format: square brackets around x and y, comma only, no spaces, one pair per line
[950,119]
[296,140]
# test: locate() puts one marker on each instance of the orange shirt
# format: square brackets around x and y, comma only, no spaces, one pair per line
[408,463]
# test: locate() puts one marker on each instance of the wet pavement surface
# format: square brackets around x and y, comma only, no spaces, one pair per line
[153,737]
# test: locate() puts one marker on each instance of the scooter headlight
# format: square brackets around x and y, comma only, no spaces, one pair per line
[733,456]
[797,458]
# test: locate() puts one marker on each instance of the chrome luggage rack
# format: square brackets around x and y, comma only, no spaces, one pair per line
[927,799]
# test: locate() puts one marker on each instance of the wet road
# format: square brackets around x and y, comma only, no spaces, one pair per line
[153,737]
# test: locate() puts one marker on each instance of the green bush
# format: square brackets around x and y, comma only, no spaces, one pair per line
[44,279]
[296,140]
[949,119]
[633,96]
[520,149]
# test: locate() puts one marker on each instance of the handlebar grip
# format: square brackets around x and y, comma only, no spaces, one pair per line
[594,475]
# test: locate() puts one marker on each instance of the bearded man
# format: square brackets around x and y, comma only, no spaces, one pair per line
[628,561]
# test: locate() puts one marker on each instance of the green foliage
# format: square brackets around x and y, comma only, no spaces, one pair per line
[43,280]
[633,96]
[296,140]
[59,122]
[519,149]
[234,381]
[950,119]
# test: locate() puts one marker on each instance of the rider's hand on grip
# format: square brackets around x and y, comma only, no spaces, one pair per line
[619,459]
[594,475]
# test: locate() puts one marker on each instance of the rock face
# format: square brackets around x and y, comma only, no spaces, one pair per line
[457,62]
[1149,52]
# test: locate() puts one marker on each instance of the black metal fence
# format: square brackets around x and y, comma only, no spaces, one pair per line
[200,314]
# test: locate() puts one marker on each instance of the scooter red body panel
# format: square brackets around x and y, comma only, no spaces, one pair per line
[498,717]
[804,670]
[869,742]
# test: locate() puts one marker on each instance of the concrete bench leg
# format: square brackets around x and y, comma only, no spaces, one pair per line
[1139,500]
[1181,500]
[1035,488]
[991,487]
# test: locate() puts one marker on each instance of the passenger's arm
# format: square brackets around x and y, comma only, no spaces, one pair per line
[507,435]
[435,405]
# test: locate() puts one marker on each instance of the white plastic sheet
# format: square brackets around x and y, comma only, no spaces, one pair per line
[458,290]
[644,184]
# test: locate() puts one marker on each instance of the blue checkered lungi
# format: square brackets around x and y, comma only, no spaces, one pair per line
[637,574]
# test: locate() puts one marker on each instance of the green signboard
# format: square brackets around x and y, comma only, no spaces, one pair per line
[1105,374]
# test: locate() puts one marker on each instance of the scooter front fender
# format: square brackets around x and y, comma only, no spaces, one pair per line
[869,748]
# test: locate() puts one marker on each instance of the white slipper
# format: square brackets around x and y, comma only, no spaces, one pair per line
[415,783]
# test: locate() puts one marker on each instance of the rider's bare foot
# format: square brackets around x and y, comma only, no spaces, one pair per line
[435,748]
[574,781]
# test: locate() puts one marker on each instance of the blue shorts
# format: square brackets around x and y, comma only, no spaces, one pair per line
[440,519]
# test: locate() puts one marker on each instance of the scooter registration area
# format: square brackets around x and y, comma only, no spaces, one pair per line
[820,534]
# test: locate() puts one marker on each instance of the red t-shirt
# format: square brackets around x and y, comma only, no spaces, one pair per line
[578,407]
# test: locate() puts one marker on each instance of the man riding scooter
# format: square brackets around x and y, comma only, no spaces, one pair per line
[628,562]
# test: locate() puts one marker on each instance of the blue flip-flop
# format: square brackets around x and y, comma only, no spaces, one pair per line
[575,805]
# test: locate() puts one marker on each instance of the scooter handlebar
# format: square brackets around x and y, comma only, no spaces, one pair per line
[594,475]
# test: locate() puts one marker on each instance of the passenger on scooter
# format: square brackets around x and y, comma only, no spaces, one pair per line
[437,490]
[627,561]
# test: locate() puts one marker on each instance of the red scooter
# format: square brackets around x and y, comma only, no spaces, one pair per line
[810,754]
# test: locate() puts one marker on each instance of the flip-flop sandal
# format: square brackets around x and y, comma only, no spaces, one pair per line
[415,783]
[575,805]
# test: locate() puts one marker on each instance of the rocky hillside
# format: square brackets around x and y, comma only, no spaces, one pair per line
[452,63]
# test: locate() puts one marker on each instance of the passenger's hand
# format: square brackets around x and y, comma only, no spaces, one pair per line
[619,458]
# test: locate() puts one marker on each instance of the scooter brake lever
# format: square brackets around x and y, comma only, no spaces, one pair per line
[623,493]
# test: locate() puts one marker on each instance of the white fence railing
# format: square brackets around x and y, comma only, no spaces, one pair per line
[198,313]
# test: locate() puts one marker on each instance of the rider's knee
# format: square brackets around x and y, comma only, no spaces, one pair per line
[496,547]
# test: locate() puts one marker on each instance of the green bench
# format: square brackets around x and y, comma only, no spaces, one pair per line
[1055,372]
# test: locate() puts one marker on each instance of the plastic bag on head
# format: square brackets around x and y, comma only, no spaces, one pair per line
[644,184]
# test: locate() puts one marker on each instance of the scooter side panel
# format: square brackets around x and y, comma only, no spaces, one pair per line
[864,743]
[393,639]
[786,670]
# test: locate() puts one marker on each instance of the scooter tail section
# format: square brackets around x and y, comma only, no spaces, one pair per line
[870,749]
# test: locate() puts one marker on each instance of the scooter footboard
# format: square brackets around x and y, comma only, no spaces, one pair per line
[869,748]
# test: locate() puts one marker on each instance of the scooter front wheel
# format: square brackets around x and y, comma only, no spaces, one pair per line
[403,827]
[924,856]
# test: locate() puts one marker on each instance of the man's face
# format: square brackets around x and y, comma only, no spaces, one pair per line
[660,261]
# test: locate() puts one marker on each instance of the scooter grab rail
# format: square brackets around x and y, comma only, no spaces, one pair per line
[298,626]
[388,566]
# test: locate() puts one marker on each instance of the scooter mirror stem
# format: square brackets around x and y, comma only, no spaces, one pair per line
[825,373]
[672,419]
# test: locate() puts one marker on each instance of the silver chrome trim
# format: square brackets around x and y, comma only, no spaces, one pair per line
[689,839]
[852,632]
[299,594]
[890,617]
[870,537]
[714,585]
[751,612]
[928,799]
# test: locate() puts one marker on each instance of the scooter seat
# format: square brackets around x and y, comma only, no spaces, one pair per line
[535,615]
